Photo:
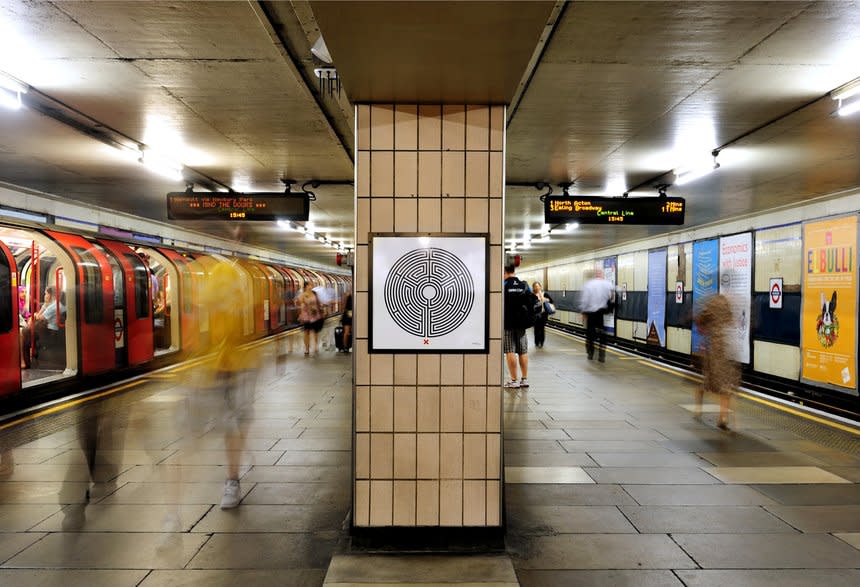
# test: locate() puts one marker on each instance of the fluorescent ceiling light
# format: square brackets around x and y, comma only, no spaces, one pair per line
[309,236]
[572,226]
[545,237]
[849,109]
[686,176]
[13,85]
[10,99]
[846,91]
[161,165]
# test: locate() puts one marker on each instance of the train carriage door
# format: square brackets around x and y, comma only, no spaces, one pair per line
[164,293]
[202,267]
[136,306]
[10,372]
[277,312]
[262,303]
[187,298]
[94,289]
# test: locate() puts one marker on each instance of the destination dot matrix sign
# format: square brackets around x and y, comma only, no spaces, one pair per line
[600,210]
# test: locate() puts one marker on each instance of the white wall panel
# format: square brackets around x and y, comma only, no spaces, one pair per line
[777,359]
[678,339]
[778,253]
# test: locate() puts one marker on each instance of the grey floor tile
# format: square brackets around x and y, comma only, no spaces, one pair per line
[113,457]
[314,444]
[759,459]
[532,434]
[70,578]
[230,578]
[647,459]
[613,446]
[771,551]
[598,578]
[265,551]
[21,517]
[628,433]
[768,578]
[127,518]
[274,518]
[655,476]
[431,569]
[112,550]
[526,459]
[704,519]
[34,492]
[179,474]
[531,519]
[299,494]
[852,538]
[13,543]
[308,458]
[219,457]
[170,493]
[533,446]
[64,472]
[568,495]
[34,456]
[604,551]
[837,494]
[850,473]
[297,474]
[696,495]
[820,518]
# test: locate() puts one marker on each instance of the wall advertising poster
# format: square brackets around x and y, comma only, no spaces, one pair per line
[610,275]
[736,284]
[429,293]
[829,313]
[656,326]
[705,281]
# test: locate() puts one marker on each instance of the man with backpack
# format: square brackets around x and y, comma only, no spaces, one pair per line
[521,312]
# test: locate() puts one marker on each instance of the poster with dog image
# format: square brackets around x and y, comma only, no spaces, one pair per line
[829,314]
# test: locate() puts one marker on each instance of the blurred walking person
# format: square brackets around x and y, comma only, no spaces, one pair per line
[547,309]
[310,317]
[597,297]
[721,373]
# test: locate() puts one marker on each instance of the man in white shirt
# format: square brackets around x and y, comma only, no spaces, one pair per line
[594,303]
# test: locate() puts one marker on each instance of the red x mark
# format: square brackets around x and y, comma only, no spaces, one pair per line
[426,341]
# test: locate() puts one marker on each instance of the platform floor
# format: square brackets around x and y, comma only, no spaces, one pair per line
[610,481]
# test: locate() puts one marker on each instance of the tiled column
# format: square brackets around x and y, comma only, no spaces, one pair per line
[428,426]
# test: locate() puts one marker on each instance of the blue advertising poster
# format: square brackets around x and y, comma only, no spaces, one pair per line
[609,274]
[706,268]
[655,328]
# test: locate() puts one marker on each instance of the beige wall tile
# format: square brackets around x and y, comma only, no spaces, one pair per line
[496,318]
[453,174]
[404,456]
[362,456]
[381,503]
[477,128]
[406,174]
[428,409]
[475,370]
[406,126]
[381,456]
[362,224]
[405,369]
[362,115]
[497,175]
[381,406]
[404,503]
[474,409]
[474,503]
[362,408]
[494,503]
[361,266]
[362,169]
[450,456]
[494,363]
[429,174]
[381,370]
[452,369]
[451,503]
[496,267]
[362,503]
[428,456]
[405,215]
[494,408]
[405,409]
[360,318]
[427,513]
[477,174]
[497,128]
[429,127]
[453,214]
[381,174]
[362,362]
[428,369]
[474,456]
[429,215]
[451,409]
[453,127]
[382,214]
[496,222]
[477,211]
[494,456]
[381,126]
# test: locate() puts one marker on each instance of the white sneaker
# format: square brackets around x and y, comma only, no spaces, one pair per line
[231,496]
[524,382]
[513,384]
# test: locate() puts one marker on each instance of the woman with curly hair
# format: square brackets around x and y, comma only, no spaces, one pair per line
[721,373]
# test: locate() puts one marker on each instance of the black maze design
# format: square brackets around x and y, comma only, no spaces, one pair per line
[429,292]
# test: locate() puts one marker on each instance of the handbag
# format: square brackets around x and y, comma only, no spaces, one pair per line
[548,307]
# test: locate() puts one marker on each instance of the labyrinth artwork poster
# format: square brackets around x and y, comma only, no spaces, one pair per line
[428,293]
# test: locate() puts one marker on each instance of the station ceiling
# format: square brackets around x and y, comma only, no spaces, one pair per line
[610,95]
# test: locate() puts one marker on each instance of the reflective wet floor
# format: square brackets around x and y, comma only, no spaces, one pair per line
[610,481]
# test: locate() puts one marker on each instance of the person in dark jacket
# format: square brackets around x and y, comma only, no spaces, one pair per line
[546,304]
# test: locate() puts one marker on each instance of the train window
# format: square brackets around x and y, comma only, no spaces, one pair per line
[185,275]
[141,286]
[6,294]
[91,287]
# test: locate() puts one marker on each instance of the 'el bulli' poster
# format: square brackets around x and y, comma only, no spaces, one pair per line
[736,284]
[706,279]
[829,313]
[655,329]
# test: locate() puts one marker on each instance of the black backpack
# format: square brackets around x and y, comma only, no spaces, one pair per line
[522,308]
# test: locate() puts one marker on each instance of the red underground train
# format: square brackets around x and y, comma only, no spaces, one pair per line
[75,305]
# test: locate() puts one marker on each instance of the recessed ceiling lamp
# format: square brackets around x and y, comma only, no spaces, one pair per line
[160,164]
[571,226]
[11,91]
[843,95]
[309,236]
[697,171]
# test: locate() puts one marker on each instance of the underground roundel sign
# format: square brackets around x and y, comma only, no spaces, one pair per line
[775,295]
[428,294]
